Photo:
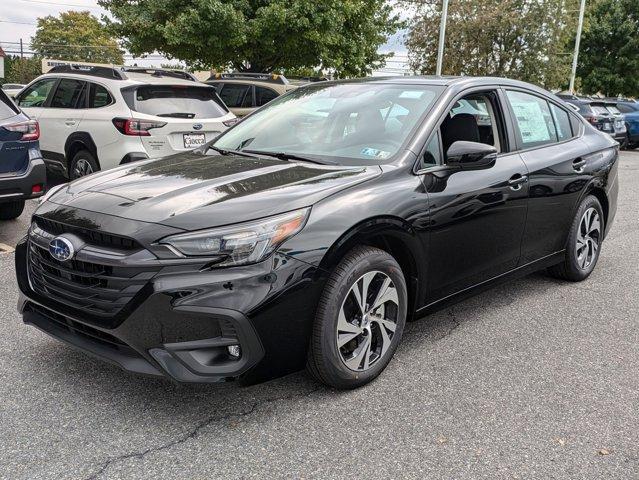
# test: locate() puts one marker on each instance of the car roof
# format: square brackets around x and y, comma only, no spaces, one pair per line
[133,78]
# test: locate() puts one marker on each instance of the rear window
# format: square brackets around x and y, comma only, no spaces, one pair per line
[614,110]
[175,101]
[600,110]
[7,108]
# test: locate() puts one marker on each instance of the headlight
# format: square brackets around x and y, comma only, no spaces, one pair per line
[241,244]
[51,191]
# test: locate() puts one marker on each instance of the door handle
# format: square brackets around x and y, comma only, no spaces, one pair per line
[517,181]
[578,165]
[69,123]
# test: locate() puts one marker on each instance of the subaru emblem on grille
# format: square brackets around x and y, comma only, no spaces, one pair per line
[61,249]
[197,126]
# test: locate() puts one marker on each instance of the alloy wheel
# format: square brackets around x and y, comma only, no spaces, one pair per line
[82,168]
[367,321]
[588,238]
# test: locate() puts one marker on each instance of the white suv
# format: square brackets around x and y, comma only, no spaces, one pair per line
[95,118]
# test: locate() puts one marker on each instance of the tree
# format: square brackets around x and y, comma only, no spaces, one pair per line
[21,70]
[259,35]
[609,58]
[521,39]
[77,36]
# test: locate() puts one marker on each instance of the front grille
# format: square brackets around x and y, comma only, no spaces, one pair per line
[77,328]
[92,237]
[96,289]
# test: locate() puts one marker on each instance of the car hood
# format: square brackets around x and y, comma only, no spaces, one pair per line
[193,191]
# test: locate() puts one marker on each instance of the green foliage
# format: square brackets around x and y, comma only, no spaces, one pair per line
[609,56]
[259,35]
[21,70]
[77,36]
[521,39]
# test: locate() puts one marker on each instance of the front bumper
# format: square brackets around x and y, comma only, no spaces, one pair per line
[20,187]
[182,322]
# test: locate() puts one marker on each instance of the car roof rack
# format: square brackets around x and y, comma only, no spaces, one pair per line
[263,77]
[162,72]
[309,79]
[93,70]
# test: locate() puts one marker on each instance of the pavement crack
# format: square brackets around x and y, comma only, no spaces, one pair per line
[195,431]
[454,324]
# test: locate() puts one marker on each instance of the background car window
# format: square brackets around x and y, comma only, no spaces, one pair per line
[600,110]
[175,101]
[534,120]
[626,108]
[7,108]
[236,95]
[67,94]
[562,122]
[99,96]
[612,109]
[36,94]
[264,95]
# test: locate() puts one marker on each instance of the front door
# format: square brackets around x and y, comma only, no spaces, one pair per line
[477,217]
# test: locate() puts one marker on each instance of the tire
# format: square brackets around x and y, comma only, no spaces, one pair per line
[581,258]
[376,272]
[11,210]
[82,164]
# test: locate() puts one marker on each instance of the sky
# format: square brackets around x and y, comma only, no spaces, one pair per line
[18,20]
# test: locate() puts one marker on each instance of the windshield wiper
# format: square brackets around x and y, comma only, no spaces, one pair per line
[290,156]
[225,152]
[177,115]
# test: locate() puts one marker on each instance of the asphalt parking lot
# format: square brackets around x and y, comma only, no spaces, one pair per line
[533,379]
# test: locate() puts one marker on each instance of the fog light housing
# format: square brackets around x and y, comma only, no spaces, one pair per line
[234,351]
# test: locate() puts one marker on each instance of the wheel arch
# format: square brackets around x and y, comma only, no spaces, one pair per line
[396,237]
[79,141]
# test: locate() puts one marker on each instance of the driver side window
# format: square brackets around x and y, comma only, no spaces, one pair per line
[472,119]
[36,94]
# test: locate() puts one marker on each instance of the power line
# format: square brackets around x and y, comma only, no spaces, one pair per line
[18,23]
[61,4]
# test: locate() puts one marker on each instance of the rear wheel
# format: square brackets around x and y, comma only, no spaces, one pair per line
[11,210]
[360,319]
[82,164]
[584,243]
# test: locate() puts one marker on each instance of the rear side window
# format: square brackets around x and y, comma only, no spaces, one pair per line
[36,94]
[7,108]
[562,122]
[68,94]
[237,95]
[264,95]
[534,120]
[99,96]
[175,101]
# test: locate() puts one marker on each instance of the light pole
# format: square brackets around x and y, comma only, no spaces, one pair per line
[442,37]
[577,41]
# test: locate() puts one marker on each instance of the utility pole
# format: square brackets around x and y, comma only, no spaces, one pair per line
[21,50]
[442,37]
[577,41]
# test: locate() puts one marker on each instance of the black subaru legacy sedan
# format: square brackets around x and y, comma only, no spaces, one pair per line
[310,232]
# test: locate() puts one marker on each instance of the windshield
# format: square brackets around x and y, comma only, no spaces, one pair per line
[351,123]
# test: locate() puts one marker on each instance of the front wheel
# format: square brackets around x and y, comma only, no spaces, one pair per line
[584,243]
[360,319]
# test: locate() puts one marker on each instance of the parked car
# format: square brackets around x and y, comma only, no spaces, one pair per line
[96,118]
[22,170]
[308,233]
[12,89]
[600,114]
[630,110]
[244,93]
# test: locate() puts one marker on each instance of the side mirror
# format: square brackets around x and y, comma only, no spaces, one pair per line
[471,155]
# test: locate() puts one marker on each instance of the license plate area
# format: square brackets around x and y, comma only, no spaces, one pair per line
[194,140]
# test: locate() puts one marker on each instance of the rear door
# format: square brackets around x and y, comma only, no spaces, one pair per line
[547,136]
[62,116]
